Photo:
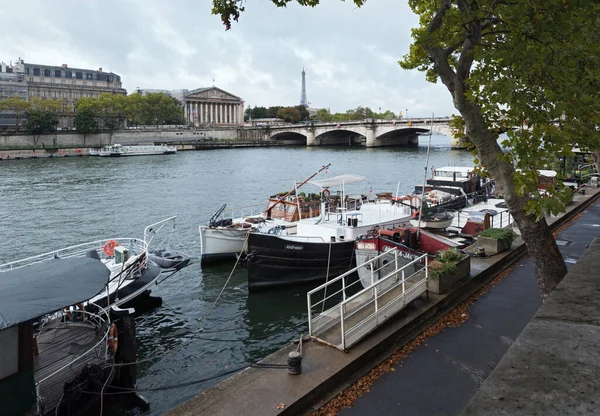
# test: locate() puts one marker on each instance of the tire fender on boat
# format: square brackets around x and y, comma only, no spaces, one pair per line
[113,338]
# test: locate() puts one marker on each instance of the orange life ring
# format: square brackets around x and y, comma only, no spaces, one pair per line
[326,193]
[109,247]
[113,338]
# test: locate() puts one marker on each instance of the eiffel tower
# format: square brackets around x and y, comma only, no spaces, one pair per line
[303,100]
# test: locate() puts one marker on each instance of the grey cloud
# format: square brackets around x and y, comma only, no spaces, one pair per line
[350,54]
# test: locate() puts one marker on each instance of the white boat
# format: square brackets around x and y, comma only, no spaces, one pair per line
[224,237]
[94,151]
[316,248]
[126,258]
[117,150]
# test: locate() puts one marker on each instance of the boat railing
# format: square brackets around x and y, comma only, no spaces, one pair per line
[502,219]
[344,320]
[102,320]
[306,239]
[241,212]
[135,245]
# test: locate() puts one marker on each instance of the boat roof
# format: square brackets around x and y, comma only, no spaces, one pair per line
[455,169]
[32,291]
[339,180]
[544,172]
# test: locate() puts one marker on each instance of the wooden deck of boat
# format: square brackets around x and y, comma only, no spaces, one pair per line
[360,309]
[60,346]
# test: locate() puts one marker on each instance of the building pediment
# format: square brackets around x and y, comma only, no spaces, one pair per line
[212,92]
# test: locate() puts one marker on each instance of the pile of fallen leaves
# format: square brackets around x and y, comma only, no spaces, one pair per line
[452,319]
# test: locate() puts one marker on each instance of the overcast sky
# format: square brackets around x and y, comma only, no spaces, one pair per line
[350,55]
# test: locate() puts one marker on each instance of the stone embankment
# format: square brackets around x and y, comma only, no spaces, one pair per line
[65,144]
[553,367]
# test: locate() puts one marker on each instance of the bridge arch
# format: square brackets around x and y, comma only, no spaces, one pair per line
[340,136]
[290,137]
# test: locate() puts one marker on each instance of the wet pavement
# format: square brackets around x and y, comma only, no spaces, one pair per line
[441,376]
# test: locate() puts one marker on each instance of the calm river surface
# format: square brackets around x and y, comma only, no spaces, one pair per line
[46,204]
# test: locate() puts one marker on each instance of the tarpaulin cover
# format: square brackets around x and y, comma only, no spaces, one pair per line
[339,180]
[32,291]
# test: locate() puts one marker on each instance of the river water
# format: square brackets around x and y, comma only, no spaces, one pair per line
[46,204]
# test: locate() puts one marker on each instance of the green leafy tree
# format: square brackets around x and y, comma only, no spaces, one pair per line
[530,64]
[323,115]
[42,117]
[289,114]
[86,121]
[16,105]
[272,111]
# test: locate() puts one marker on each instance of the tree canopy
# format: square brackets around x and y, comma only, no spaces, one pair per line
[528,67]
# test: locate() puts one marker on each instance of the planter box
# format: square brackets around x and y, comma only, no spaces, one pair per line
[491,245]
[463,268]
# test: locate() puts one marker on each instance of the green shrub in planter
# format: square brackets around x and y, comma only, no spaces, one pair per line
[445,263]
[503,234]
[449,267]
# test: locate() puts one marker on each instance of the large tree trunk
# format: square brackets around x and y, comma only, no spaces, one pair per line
[549,265]
[596,159]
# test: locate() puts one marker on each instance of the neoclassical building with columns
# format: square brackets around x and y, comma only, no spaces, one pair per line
[213,106]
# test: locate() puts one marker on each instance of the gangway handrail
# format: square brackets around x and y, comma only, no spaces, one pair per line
[417,288]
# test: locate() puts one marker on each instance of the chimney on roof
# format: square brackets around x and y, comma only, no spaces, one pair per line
[99,69]
[64,66]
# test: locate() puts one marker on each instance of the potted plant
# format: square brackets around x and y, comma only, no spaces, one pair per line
[448,267]
[496,240]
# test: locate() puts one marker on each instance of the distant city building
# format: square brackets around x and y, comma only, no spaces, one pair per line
[179,95]
[212,106]
[303,100]
[59,83]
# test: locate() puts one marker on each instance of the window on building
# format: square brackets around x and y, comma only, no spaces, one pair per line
[84,83]
[94,83]
[27,70]
[30,79]
[75,96]
[68,74]
[32,93]
[46,72]
[42,80]
[62,81]
[44,94]
[88,75]
[57,73]
[51,81]
[36,71]
[79,75]
[73,82]
[65,95]
[53,94]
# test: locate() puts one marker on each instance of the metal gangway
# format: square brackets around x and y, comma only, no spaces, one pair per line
[341,320]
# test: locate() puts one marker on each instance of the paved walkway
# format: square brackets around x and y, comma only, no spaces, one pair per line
[441,377]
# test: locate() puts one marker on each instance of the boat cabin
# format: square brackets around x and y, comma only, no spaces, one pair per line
[292,209]
[457,180]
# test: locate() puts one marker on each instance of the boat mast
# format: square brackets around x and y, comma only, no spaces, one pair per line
[425,178]
[268,210]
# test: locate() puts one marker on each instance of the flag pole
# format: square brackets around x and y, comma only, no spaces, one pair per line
[425,178]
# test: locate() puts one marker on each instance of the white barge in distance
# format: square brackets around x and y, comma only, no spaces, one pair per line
[117,150]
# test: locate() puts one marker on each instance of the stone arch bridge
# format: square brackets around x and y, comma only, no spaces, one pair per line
[370,132]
